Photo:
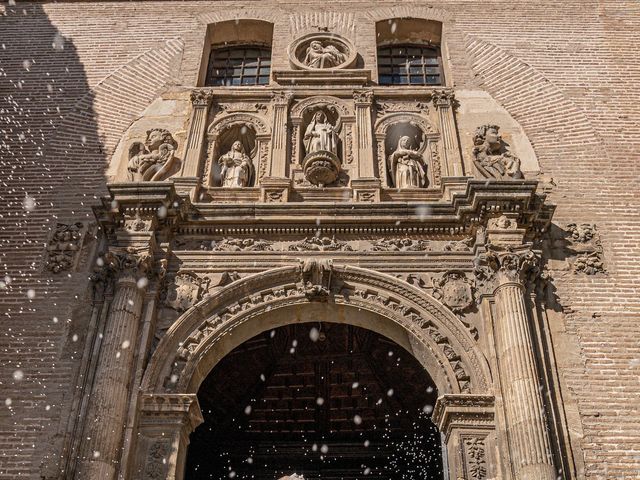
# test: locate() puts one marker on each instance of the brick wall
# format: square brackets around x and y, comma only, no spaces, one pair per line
[74,75]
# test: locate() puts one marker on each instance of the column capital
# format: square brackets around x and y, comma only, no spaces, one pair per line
[281,97]
[127,264]
[201,98]
[516,266]
[443,98]
[363,97]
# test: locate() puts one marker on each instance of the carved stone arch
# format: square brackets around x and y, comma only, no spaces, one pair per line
[383,124]
[341,106]
[234,119]
[212,328]
[410,11]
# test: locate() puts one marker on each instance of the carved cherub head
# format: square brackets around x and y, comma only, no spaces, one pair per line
[488,135]
[157,137]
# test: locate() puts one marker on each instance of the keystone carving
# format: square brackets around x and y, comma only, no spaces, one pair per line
[64,246]
[154,159]
[320,244]
[316,278]
[492,157]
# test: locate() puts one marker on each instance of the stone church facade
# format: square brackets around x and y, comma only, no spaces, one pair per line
[457,177]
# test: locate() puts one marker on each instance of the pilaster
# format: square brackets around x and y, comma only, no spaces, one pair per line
[444,102]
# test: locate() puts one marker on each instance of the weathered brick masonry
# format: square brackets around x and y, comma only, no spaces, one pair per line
[75,75]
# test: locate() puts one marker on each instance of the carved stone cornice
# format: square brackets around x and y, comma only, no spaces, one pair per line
[201,98]
[466,411]
[159,408]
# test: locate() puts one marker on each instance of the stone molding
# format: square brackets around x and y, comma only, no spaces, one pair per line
[463,411]
[463,367]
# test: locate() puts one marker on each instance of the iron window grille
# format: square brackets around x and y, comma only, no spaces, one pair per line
[409,65]
[239,65]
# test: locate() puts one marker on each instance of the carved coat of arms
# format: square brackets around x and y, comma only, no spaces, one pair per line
[184,292]
[455,291]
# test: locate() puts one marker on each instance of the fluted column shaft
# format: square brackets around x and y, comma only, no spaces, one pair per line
[525,415]
[201,100]
[280,134]
[105,421]
[363,103]
[443,101]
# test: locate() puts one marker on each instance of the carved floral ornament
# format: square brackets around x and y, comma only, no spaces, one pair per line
[322,51]
[462,368]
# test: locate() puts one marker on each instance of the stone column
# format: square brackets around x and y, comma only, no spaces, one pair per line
[467,424]
[190,173]
[279,143]
[366,186]
[275,187]
[526,423]
[443,100]
[108,403]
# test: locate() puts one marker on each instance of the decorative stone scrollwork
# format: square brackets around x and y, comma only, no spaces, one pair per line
[63,247]
[384,108]
[154,159]
[320,244]
[401,245]
[492,157]
[319,51]
[293,476]
[237,245]
[475,458]
[156,464]
[443,98]
[463,245]
[584,249]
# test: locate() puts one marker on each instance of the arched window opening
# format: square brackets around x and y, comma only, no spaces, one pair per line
[408,51]
[239,65]
[237,53]
[411,64]
[323,400]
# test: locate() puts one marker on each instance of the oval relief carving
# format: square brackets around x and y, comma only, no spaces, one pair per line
[321,51]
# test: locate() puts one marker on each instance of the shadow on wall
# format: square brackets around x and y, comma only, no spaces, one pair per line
[51,171]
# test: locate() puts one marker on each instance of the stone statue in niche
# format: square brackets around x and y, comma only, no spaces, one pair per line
[321,165]
[407,166]
[321,135]
[236,167]
[323,56]
[491,156]
[154,159]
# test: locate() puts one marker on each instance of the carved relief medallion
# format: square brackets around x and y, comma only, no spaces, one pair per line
[319,51]
[455,291]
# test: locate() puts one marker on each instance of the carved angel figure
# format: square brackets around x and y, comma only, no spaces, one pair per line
[320,135]
[490,156]
[407,166]
[237,168]
[154,159]
[320,56]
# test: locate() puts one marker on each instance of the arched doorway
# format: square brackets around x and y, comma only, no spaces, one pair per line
[324,400]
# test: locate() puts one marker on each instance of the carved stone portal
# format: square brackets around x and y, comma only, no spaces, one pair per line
[154,159]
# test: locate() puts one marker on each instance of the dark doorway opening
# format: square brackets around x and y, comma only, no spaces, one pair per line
[323,400]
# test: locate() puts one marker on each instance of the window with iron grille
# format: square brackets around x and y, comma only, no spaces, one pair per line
[409,65]
[239,65]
